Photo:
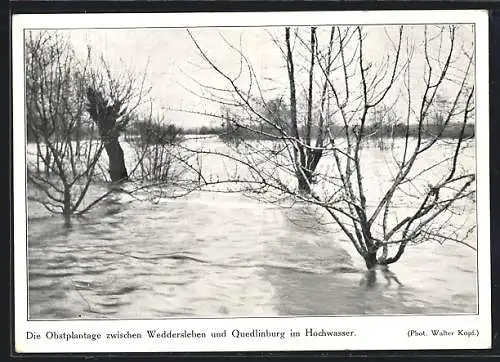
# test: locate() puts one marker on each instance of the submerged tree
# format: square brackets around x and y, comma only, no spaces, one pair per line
[65,166]
[262,117]
[111,100]
[154,143]
[427,185]
[75,110]
[105,116]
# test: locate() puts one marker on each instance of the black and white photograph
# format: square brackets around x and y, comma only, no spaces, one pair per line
[241,171]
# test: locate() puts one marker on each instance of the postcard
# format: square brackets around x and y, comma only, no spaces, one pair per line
[261,181]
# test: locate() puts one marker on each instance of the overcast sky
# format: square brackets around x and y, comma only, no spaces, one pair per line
[173,60]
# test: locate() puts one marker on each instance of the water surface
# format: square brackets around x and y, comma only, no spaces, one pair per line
[222,254]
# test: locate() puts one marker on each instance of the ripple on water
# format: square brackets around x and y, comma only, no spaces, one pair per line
[44,274]
[118,291]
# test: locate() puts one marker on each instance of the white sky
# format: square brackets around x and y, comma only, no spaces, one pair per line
[173,59]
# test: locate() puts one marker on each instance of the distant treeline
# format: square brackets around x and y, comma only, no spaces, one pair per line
[451,131]
[153,132]
[159,133]
[204,130]
[84,132]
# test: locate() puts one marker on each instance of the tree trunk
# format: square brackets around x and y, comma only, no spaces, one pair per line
[48,161]
[304,179]
[373,265]
[67,206]
[371,260]
[105,117]
[77,137]
[370,278]
[38,156]
[117,169]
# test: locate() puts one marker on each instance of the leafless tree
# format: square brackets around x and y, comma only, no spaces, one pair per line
[264,118]
[77,108]
[55,108]
[154,143]
[427,188]
[111,100]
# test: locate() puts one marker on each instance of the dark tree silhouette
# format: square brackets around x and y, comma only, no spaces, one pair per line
[105,114]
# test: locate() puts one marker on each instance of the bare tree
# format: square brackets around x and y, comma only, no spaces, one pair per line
[55,107]
[154,143]
[78,108]
[112,99]
[260,115]
[422,198]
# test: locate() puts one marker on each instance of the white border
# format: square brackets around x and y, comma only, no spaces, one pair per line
[372,333]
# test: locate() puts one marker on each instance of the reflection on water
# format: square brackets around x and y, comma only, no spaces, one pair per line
[223,255]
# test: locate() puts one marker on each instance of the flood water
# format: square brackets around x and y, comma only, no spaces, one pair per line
[218,254]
